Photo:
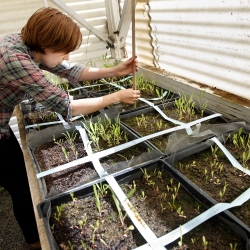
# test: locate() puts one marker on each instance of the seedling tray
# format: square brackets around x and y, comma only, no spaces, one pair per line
[127,179]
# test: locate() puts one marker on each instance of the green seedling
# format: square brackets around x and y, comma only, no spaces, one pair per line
[193,240]
[180,212]
[163,196]
[245,158]
[206,179]
[72,197]
[180,242]
[130,228]
[160,175]
[59,210]
[145,174]
[96,227]
[83,245]
[233,247]
[222,193]
[102,188]
[198,209]
[71,140]
[217,182]
[171,181]
[205,243]
[185,107]
[162,208]
[97,199]
[71,246]
[202,106]
[214,152]
[143,196]
[205,171]
[103,242]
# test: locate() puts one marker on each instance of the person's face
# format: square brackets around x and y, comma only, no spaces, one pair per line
[52,59]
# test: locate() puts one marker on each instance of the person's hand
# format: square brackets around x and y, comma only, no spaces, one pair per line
[128,96]
[125,68]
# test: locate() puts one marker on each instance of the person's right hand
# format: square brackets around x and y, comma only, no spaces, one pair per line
[128,96]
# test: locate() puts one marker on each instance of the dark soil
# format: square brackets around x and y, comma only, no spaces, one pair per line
[110,233]
[157,209]
[163,215]
[211,172]
[50,155]
[152,122]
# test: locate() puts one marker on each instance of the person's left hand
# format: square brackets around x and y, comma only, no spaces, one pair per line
[125,68]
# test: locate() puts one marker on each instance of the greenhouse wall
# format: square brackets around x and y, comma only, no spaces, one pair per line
[206,42]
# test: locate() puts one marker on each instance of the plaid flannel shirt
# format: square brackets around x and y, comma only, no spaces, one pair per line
[20,75]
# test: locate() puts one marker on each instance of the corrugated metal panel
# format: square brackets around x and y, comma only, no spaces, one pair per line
[205,41]
[144,49]
[92,48]
[14,14]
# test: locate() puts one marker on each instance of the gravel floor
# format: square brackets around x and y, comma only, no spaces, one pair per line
[11,237]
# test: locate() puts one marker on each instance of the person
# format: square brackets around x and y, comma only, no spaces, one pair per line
[44,44]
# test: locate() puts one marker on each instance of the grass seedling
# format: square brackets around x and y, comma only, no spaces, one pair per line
[58,215]
[176,189]
[143,196]
[205,243]
[205,171]
[171,181]
[217,182]
[72,197]
[160,175]
[202,106]
[71,246]
[214,152]
[84,246]
[233,247]
[206,179]
[141,120]
[222,193]
[104,243]
[71,140]
[185,107]
[96,227]
[146,176]
[180,242]
[102,188]
[193,240]
[180,212]
[198,209]
[97,200]
[130,228]
[92,129]
[245,158]
[119,209]
[60,143]
[163,196]
[162,208]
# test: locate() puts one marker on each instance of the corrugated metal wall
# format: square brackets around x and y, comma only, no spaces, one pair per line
[94,12]
[204,41]
[14,14]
